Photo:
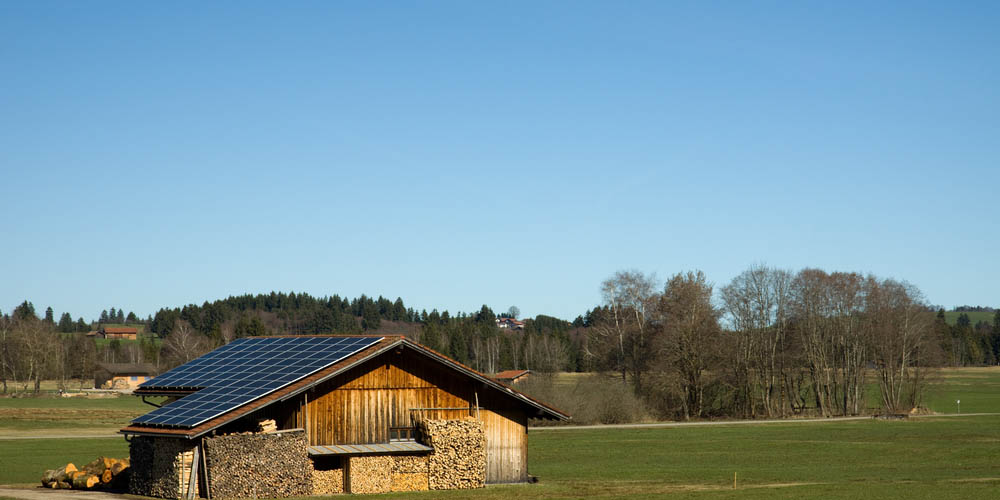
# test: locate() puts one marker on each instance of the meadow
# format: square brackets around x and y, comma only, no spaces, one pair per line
[951,317]
[944,456]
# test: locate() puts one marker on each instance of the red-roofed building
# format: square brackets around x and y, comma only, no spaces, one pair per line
[512,376]
[510,323]
[122,333]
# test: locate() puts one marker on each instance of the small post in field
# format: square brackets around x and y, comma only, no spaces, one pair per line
[734,480]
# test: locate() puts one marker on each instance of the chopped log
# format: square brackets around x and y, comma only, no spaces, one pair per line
[85,481]
[106,476]
[99,465]
[63,485]
[118,467]
[268,425]
[56,475]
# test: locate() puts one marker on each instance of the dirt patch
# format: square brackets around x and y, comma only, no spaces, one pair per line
[74,433]
[90,416]
[49,494]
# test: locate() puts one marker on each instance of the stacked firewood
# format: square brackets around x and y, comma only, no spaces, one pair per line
[273,465]
[409,473]
[104,472]
[268,425]
[369,474]
[459,457]
[328,482]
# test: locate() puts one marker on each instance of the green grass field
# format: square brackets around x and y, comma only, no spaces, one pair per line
[951,317]
[24,460]
[935,457]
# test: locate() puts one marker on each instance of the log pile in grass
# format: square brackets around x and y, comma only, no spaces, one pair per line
[459,458]
[104,472]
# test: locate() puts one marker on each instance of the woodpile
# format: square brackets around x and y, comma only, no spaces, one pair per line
[459,457]
[268,425]
[160,467]
[104,472]
[369,474]
[328,482]
[271,465]
[409,473]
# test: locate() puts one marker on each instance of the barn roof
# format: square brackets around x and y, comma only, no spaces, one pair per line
[119,329]
[511,374]
[378,346]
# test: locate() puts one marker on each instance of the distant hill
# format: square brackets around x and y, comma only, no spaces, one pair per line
[951,317]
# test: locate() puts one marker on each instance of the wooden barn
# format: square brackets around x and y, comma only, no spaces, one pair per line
[361,407]
[122,375]
[121,333]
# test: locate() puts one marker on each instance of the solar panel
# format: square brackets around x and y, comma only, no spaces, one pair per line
[243,371]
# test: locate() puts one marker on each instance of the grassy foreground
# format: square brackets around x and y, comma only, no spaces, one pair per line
[937,457]
[946,457]
[921,458]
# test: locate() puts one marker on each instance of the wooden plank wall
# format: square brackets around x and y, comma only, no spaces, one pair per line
[360,405]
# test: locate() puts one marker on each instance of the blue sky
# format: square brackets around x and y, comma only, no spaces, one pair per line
[515,153]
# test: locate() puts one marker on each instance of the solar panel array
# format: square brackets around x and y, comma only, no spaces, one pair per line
[243,371]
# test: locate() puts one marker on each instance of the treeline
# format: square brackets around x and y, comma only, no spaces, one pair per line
[968,344]
[545,343]
[775,343]
[770,343]
[34,348]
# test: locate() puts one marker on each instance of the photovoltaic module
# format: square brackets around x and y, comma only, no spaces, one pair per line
[243,371]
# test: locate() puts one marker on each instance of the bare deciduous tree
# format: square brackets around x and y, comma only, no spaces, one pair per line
[690,325]
[184,344]
[757,303]
[899,322]
[623,337]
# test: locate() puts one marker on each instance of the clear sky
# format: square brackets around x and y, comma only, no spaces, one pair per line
[507,153]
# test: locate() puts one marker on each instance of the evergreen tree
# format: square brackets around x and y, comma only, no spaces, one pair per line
[50,316]
[82,326]
[121,316]
[431,337]
[66,323]
[250,327]
[104,316]
[370,318]
[112,315]
[24,311]
[131,317]
[398,310]
[486,315]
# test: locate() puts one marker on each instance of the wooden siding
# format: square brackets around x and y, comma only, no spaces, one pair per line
[360,405]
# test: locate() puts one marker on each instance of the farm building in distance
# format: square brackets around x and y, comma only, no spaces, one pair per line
[317,415]
[116,332]
[512,376]
[122,375]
